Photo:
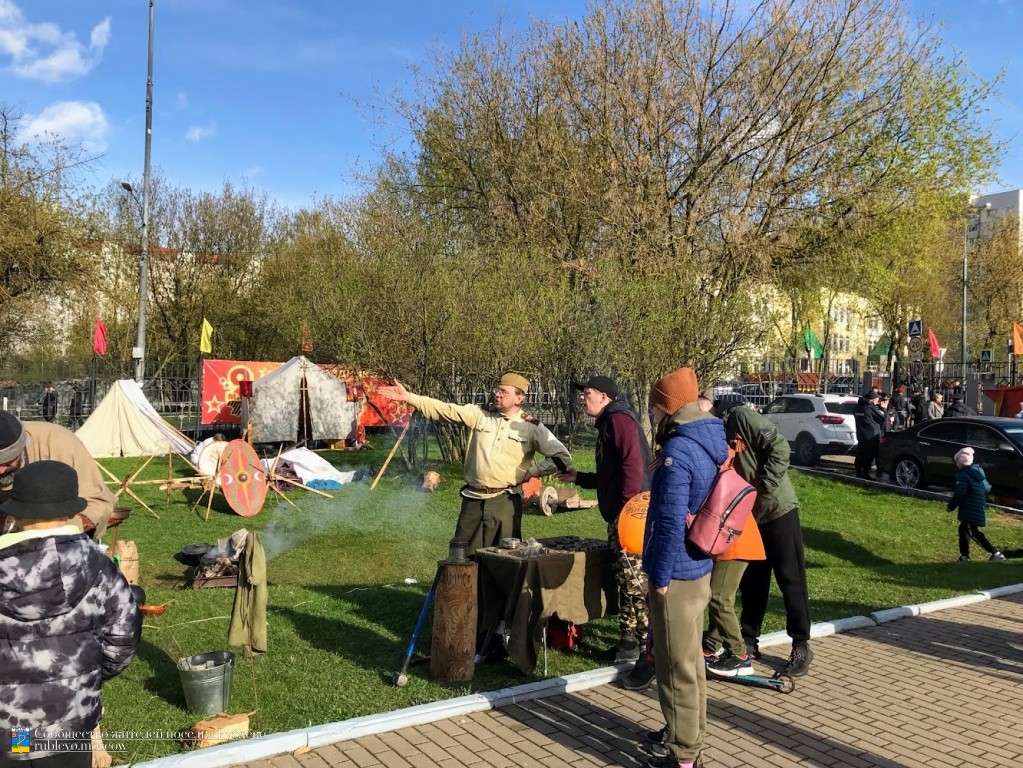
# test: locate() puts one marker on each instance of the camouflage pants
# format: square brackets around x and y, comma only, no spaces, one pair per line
[633,614]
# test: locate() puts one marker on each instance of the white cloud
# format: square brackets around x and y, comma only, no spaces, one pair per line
[73,122]
[42,51]
[253,170]
[200,132]
[182,100]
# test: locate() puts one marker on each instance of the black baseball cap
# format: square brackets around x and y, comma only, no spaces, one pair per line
[602,384]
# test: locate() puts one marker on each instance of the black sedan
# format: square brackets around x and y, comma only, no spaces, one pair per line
[923,454]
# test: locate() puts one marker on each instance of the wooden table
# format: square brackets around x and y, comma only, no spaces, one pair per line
[525,592]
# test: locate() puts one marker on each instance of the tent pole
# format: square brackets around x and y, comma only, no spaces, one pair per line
[198,405]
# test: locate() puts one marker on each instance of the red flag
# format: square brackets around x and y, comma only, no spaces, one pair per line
[1017,339]
[935,346]
[99,338]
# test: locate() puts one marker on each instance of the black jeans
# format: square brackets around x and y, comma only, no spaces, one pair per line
[783,543]
[866,454]
[969,531]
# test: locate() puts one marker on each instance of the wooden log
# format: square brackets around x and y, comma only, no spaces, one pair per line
[217,730]
[453,647]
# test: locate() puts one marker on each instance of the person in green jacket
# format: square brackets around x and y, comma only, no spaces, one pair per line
[762,460]
[970,497]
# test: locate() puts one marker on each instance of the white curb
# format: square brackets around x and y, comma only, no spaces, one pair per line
[330,733]
[893,614]
[1000,591]
[825,628]
[951,602]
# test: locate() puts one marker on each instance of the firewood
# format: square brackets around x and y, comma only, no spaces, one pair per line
[209,733]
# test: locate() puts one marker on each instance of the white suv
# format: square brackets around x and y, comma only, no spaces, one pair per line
[815,424]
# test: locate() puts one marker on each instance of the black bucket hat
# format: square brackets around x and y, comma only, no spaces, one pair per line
[45,490]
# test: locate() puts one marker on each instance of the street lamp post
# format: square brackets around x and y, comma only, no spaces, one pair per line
[139,351]
[966,251]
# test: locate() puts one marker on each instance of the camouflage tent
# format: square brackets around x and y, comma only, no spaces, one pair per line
[300,401]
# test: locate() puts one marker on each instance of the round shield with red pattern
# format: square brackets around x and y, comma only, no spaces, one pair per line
[242,478]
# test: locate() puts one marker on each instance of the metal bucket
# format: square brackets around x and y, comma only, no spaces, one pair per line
[207,691]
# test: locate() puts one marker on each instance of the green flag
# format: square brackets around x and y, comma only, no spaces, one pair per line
[812,344]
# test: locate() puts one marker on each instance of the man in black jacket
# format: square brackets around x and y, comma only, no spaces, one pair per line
[68,622]
[622,457]
[870,423]
[900,406]
[959,407]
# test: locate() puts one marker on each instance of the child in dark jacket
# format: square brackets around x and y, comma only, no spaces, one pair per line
[68,623]
[970,496]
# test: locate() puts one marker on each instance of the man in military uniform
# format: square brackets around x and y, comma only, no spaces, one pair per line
[22,443]
[498,458]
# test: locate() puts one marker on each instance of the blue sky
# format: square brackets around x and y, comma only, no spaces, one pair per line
[267,92]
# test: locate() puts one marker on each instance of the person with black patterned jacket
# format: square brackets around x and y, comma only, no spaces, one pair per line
[68,621]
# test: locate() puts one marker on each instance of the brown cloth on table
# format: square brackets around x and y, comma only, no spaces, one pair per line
[248,618]
[526,591]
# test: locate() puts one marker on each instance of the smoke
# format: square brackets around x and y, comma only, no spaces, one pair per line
[354,505]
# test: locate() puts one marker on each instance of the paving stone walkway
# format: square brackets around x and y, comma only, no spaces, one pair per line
[942,689]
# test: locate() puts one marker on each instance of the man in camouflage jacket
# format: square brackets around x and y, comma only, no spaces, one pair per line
[68,620]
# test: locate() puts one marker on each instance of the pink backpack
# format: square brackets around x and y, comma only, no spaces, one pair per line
[721,518]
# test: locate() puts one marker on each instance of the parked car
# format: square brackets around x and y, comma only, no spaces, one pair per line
[814,424]
[764,392]
[923,454]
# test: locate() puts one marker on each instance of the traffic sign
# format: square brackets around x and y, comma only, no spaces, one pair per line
[915,345]
[916,328]
[985,356]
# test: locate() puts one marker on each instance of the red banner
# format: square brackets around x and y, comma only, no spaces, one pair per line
[99,338]
[221,396]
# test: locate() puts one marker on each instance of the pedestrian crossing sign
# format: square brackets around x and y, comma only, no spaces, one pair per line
[916,328]
[985,356]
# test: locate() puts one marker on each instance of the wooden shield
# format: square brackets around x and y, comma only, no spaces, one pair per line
[242,478]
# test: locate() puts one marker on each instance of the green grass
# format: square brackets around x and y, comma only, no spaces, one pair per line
[340,614]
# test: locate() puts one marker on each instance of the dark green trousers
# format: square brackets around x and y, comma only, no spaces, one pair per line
[484,522]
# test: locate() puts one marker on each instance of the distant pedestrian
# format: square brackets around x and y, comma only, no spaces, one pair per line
[936,408]
[970,497]
[870,424]
[49,403]
[919,406]
[958,407]
[900,407]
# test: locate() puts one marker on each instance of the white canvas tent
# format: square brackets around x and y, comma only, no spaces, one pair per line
[126,424]
[300,393]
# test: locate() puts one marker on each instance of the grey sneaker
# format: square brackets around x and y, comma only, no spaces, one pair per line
[997,556]
[799,661]
[964,558]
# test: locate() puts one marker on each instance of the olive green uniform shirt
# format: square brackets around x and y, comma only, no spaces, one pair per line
[500,451]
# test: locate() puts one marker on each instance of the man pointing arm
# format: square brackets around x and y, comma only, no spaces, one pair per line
[498,457]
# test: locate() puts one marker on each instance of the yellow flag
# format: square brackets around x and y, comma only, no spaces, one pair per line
[206,340]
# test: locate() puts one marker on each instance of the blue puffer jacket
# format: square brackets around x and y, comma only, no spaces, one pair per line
[689,461]
[970,495]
